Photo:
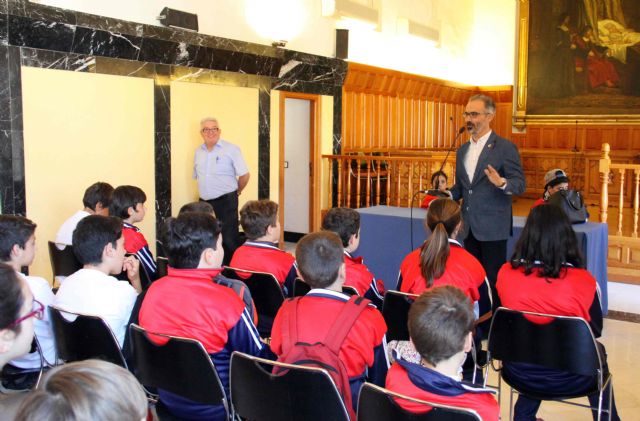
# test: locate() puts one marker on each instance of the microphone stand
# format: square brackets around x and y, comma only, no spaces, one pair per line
[453,144]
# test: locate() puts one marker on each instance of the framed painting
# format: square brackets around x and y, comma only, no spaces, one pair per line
[578,60]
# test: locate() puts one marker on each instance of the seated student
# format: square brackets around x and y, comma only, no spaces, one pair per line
[98,243]
[438,189]
[260,253]
[554,181]
[96,201]
[546,275]
[17,249]
[127,203]
[18,310]
[187,303]
[440,325]
[441,260]
[200,206]
[320,258]
[346,223]
[86,390]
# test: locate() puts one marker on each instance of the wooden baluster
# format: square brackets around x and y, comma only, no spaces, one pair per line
[636,202]
[340,166]
[410,186]
[349,177]
[603,168]
[358,178]
[368,200]
[377,202]
[620,200]
[399,175]
[389,180]
[331,180]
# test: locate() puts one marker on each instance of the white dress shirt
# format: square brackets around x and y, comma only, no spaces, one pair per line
[89,291]
[216,169]
[65,233]
[473,154]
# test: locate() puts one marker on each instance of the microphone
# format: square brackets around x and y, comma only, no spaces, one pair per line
[462,129]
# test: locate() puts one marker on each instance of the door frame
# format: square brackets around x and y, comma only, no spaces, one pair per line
[315,161]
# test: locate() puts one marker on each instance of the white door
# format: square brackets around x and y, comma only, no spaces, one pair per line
[297,137]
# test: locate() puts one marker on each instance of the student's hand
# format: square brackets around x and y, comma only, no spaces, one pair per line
[131,265]
[495,177]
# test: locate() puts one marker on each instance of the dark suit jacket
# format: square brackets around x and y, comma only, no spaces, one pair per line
[486,209]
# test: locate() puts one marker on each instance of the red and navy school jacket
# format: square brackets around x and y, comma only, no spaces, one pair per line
[462,270]
[135,243]
[261,256]
[363,350]
[359,277]
[189,304]
[423,383]
[574,293]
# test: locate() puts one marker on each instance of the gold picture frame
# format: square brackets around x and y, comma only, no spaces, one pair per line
[531,107]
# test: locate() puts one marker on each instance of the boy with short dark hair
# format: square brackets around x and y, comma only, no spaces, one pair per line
[96,201]
[321,264]
[346,223]
[17,249]
[200,206]
[99,247]
[188,303]
[260,253]
[127,203]
[440,325]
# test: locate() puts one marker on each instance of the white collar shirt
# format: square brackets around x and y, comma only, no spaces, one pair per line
[473,154]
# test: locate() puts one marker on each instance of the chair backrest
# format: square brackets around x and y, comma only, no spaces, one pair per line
[84,338]
[162,263]
[379,404]
[395,310]
[63,262]
[266,293]
[301,288]
[558,342]
[304,393]
[177,365]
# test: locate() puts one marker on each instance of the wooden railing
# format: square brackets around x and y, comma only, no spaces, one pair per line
[624,245]
[367,180]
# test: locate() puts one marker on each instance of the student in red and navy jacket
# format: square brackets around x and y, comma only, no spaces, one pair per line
[546,275]
[441,260]
[321,263]
[260,253]
[346,223]
[187,303]
[440,325]
[127,203]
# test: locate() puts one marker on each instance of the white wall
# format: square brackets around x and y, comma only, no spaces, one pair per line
[477,36]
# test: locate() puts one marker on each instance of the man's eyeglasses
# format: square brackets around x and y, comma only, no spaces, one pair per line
[212,130]
[37,311]
[472,114]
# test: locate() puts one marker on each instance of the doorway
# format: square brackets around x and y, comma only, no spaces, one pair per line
[299,164]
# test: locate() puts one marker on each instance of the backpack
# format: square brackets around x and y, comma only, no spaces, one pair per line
[570,201]
[324,354]
[243,292]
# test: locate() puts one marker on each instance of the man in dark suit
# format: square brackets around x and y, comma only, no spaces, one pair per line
[488,173]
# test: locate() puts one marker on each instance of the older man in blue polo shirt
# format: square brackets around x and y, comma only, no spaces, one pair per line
[222,174]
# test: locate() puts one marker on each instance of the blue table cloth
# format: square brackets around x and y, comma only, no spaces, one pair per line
[386,239]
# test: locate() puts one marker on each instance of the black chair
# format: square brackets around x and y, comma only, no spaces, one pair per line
[301,393]
[266,293]
[84,338]
[63,262]
[395,310]
[301,288]
[379,404]
[162,263]
[181,366]
[562,343]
